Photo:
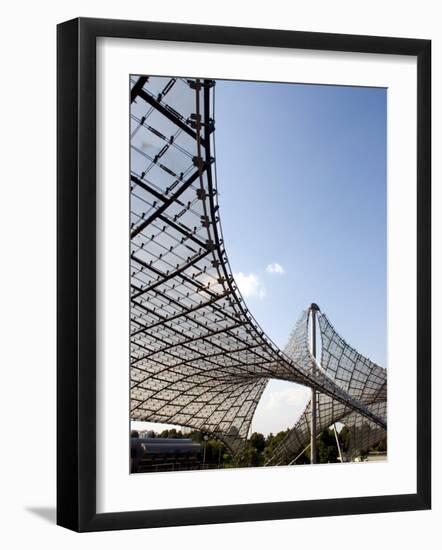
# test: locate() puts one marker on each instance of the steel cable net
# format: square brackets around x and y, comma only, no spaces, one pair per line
[198,358]
[354,373]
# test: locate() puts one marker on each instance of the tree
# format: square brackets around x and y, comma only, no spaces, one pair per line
[173,432]
[258,441]
[249,457]
[326,447]
[381,447]
[344,438]
[272,442]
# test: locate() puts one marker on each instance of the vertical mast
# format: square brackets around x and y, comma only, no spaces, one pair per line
[313,453]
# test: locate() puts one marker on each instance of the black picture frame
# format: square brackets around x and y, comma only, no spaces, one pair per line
[76,274]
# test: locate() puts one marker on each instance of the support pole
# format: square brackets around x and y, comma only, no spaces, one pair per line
[313,435]
[337,443]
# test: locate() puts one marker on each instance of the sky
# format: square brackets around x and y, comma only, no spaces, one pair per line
[301,176]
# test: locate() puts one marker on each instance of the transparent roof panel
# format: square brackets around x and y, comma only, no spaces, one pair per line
[198,357]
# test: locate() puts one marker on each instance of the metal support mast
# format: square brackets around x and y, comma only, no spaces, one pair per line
[337,443]
[313,435]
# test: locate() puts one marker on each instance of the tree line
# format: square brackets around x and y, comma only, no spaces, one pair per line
[260,448]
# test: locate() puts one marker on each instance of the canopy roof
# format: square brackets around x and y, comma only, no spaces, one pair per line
[198,357]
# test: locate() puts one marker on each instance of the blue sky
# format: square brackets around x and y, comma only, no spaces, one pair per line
[301,172]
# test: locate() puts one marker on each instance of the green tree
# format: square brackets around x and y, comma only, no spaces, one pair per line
[271,443]
[344,438]
[326,447]
[257,440]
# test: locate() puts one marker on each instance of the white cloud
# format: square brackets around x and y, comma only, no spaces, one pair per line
[281,405]
[249,285]
[292,397]
[275,268]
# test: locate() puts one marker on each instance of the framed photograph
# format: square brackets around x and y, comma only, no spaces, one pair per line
[244,284]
